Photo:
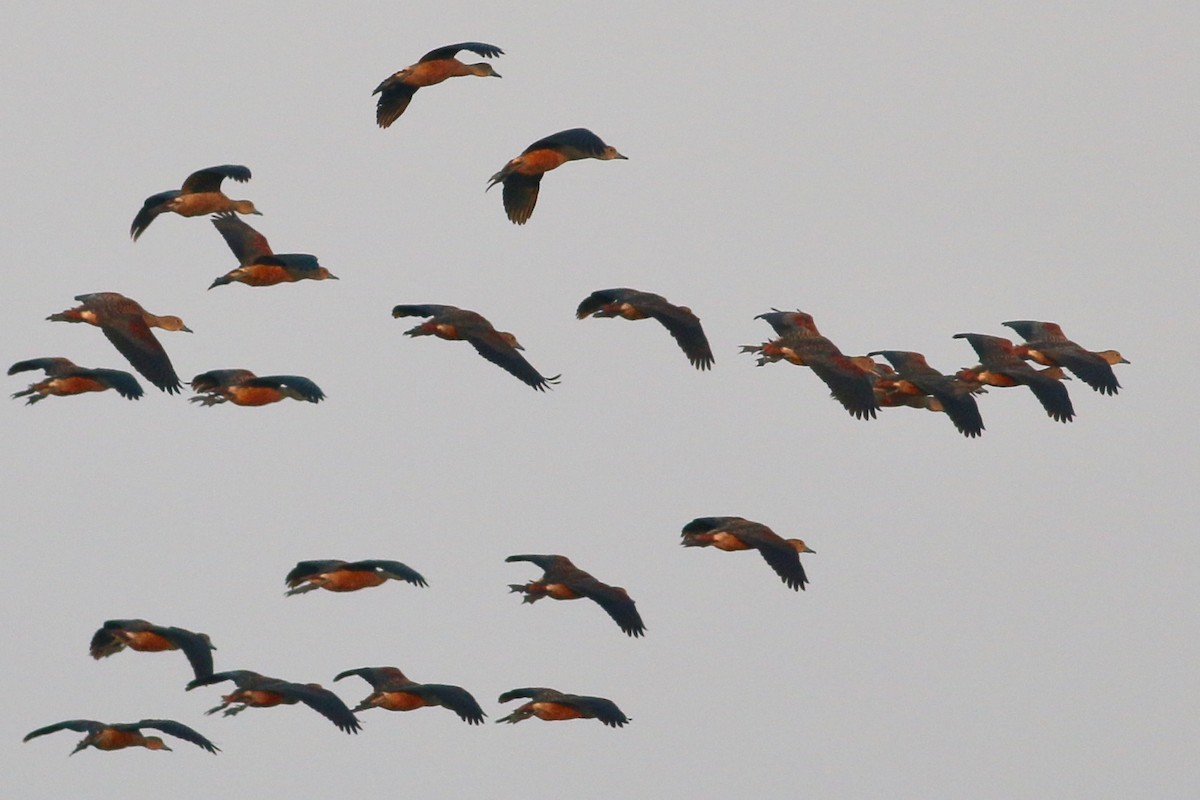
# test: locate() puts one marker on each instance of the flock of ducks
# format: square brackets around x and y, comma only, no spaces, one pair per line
[861,384]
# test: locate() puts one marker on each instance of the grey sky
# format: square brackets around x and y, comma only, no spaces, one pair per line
[1008,617]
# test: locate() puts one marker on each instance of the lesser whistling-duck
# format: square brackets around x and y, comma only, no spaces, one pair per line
[565,581]
[64,378]
[201,194]
[127,325]
[802,344]
[397,89]
[1002,367]
[552,705]
[119,735]
[259,265]
[458,324]
[395,692]
[347,576]
[632,304]
[523,175]
[919,382]
[145,637]
[737,533]
[1046,344]
[259,691]
[243,388]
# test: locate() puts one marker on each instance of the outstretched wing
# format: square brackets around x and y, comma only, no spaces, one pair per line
[451,50]
[247,244]
[615,601]
[600,708]
[134,340]
[455,698]
[308,569]
[81,725]
[155,204]
[53,367]
[492,346]
[209,179]
[323,701]
[176,729]
[520,196]
[684,326]
[297,386]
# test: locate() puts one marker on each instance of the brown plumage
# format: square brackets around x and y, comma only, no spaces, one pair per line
[64,378]
[562,580]
[259,265]
[395,692]
[737,533]
[259,691]
[458,324]
[802,344]
[119,735]
[682,324]
[553,706]
[396,91]
[243,388]
[127,325]
[922,383]
[1003,367]
[201,194]
[145,637]
[522,176]
[1046,344]
[347,576]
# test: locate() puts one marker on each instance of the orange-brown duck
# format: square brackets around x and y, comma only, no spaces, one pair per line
[65,378]
[201,194]
[347,576]
[395,692]
[1003,367]
[119,735]
[259,265]
[1046,344]
[145,637]
[917,380]
[562,580]
[396,91]
[459,324]
[259,691]
[243,388]
[127,325]
[552,705]
[522,176]
[737,533]
[682,324]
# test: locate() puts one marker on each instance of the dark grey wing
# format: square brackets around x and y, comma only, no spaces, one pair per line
[598,299]
[451,50]
[574,143]
[684,326]
[615,601]
[1085,365]
[155,204]
[600,708]
[777,552]
[209,179]
[455,698]
[426,310]
[323,701]
[53,367]
[300,387]
[308,569]
[219,378]
[707,524]
[394,97]
[298,262]
[848,383]
[1052,394]
[122,382]
[247,244]
[520,196]
[81,725]
[962,409]
[134,340]
[176,729]
[546,562]
[376,676]
[530,692]
[492,346]
[393,569]
[242,678]
[196,646]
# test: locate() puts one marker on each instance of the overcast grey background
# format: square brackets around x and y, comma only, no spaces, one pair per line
[1008,617]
